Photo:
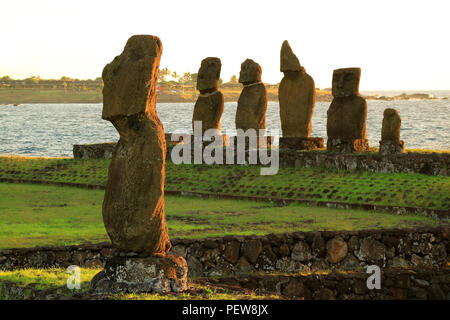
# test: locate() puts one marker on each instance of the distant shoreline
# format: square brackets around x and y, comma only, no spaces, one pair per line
[18,96]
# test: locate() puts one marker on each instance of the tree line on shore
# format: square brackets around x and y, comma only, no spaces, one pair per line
[166,77]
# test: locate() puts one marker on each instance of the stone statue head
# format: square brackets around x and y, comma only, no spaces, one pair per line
[346,82]
[130,77]
[389,112]
[209,74]
[250,72]
[288,60]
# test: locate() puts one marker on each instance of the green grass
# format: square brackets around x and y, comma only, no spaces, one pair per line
[315,184]
[38,215]
[42,279]
[47,278]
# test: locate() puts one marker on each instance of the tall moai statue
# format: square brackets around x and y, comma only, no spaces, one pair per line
[390,133]
[133,206]
[346,122]
[252,103]
[297,95]
[209,106]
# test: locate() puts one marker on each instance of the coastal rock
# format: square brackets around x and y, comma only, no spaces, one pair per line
[297,94]
[346,117]
[390,133]
[133,207]
[252,103]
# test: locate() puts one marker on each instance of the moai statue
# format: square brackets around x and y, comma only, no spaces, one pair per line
[133,206]
[346,123]
[252,103]
[209,106]
[390,133]
[297,95]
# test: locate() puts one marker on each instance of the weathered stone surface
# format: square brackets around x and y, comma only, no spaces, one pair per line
[346,117]
[347,145]
[178,250]
[209,105]
[324,294]
[295,289]
[390,147]
[288,144]
[337,285]
[318,245]
[251,249]
[301,251]
[252,103]
[231,253]
[195,267]
[288,60]
[94,151]
[250,72]
[284,250]
[130,79]
[390,130]
[147,274]
[252,106]
[346,82]
[243,266]
[297,95]
[291,252]
[390,133]
[208,109]
[209,74]
[371,250]
[430,163]
[133,207]
[336,249]
[350,262]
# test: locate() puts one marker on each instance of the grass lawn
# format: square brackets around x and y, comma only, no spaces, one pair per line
[37,215]
[315,184]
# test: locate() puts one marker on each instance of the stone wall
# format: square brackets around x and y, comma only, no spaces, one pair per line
[94,151]
[398,284]
[433,284]
[411,162]
[431,163]
[286,253]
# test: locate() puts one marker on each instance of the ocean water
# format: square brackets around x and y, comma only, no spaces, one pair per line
[52,129]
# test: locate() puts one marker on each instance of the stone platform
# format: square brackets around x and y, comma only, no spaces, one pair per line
[142,274]
[297,143]
[391,147]
[347,146]
[94,151]
[263,141]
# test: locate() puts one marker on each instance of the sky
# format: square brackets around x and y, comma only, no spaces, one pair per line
[399,45]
